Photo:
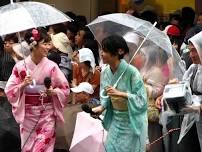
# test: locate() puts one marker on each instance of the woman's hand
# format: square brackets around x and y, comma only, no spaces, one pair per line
[98,68]
[111,91]
[98,111]
[192,108]
[74,83]
[50,91]
[27,81]
[173,81]
[158,102]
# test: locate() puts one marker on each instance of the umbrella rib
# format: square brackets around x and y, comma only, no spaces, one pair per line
[115,85]
[135,54]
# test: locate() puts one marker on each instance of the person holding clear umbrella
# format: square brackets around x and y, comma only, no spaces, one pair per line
[37,91]
[126,108]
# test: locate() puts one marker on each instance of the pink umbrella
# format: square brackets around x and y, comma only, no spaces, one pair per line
[89,134]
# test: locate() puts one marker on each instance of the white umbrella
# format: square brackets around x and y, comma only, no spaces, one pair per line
[16,17]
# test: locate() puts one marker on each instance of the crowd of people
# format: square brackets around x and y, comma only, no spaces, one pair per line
[47,75]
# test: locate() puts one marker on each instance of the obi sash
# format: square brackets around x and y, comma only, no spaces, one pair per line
[36,95]
[119,103]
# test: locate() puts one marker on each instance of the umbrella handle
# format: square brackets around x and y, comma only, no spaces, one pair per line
[33,83]
[102,94]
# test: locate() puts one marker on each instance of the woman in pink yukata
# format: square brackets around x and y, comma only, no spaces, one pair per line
[35,107]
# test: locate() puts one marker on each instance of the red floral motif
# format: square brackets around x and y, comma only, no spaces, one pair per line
[41,111]
[38,130]
[53,135]
[42,150]
[47,140]
[15,72]
[23,74]
[13,95]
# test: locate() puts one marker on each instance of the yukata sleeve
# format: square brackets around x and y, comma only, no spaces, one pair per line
[137,96]
[13,88]
[137,104]
[61,87]
[15,95]
[105,102]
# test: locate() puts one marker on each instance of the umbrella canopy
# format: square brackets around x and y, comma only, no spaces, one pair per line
[121,24]
[88,134]
[16,17]
[150,49]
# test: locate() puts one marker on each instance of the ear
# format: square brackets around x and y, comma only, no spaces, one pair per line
[121,52]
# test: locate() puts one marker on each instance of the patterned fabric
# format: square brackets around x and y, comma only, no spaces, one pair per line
[41,116]
[38,130]
[133,122]
[120,135]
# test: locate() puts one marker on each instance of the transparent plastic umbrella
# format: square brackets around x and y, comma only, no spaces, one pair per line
[149,48]
[20,16]
[121,24]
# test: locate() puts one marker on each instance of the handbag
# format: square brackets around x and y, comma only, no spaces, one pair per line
[153,112]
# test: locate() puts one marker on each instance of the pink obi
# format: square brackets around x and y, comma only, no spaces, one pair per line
[36,99]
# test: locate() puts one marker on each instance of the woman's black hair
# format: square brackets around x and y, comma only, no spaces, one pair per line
[93,46]
[155,54]
[12,37]
[88,34]
[1,46]
[60,27]
[55,57]
[87,63]
[113,43]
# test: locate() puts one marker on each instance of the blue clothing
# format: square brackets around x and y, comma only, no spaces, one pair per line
[125,128]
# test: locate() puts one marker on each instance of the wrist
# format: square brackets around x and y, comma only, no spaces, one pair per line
[22,86]
[124,94]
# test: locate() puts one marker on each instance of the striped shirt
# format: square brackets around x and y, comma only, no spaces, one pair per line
[6,65]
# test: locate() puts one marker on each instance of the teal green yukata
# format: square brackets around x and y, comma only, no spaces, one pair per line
[127,130]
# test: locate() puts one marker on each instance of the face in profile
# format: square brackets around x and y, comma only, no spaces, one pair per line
[42,49]
[199,20]
[79,38]
[194,54]
[8,46]
[107,58]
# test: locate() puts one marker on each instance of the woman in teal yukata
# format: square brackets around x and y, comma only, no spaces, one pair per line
[126,108]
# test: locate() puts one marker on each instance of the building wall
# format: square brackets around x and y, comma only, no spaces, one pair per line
[164,6]
[198,6]
[88,8]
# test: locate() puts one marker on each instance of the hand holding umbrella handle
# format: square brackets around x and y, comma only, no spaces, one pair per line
[103,90]
[33,84]
[102,94]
